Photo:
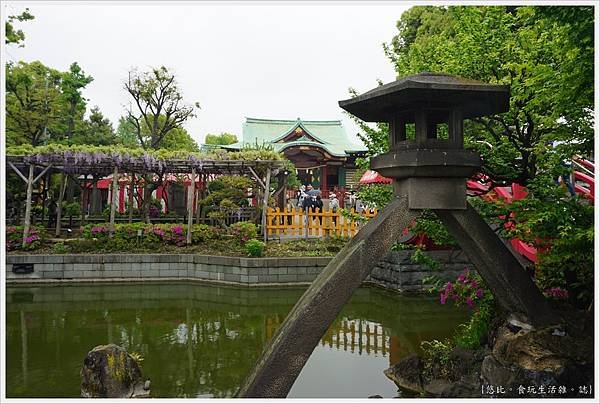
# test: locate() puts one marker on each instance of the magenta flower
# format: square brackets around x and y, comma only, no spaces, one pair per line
[31,239]
[479,293]
[469,302]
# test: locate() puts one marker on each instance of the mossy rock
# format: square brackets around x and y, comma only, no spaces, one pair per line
[108,371]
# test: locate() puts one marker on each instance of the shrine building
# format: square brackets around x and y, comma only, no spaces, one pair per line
[323,154]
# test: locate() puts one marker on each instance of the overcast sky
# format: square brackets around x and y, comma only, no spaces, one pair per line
[263,60]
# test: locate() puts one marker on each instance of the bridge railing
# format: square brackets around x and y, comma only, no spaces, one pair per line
[296,223]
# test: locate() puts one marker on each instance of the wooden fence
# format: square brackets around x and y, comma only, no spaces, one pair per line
[295,223]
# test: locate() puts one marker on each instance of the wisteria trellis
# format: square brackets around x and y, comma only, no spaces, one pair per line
[103,161]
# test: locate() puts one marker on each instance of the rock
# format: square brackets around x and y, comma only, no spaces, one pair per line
[537,358]
[518,322]
[108,371]
[463,361]
[496,374]
[375,396]
[443,388]
[532,350]
[407,373]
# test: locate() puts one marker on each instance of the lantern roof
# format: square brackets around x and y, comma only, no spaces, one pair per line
[429,90]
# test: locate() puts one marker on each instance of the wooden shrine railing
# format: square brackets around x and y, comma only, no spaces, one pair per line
[297,223]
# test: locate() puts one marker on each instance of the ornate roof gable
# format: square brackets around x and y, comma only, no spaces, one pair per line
[298,133]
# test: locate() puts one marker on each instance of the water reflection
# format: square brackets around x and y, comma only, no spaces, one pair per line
[201,341]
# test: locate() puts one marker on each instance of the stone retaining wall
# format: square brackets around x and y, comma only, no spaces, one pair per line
[396,271]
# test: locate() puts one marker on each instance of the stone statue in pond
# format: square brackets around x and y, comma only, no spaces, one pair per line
[108,371]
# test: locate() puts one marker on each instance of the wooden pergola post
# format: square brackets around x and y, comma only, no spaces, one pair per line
[27,223]
[61,196]
[190,206]
[199,197]
[29,181]
[266,204]
[114,195]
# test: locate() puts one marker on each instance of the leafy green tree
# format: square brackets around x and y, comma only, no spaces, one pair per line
[223,138]
[158,105]
[126,133]
[74,105]
[159,108]
[33,103]
[176,139]
[179,139]
[545,54]
[13,35]
[97,130]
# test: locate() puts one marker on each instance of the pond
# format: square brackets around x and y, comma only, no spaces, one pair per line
[201,341]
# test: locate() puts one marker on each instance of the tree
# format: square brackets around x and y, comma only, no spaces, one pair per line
[222,139]
[158,105]
[73,82]
[97,130]
[16,36]
[126,133]
[179,139]
[545,54]
[176,139]
[159,108]
[33,103]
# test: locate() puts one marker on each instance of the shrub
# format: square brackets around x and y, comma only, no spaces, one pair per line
[71,209]
[14,238]
[243,231]
[437,352]
[255,248]
[469,290]
[125,236]
[202,232]
[60,248]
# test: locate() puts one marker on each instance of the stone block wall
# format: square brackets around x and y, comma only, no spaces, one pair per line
[396,271]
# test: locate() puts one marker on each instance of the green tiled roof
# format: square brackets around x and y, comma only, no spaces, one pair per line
[330,135]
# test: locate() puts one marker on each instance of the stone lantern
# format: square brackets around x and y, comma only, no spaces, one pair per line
[429,165]
[425,113]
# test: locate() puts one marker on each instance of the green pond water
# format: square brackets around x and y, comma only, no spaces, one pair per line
[201,341]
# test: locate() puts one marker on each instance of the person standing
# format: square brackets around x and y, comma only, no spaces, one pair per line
[318,208]
[334,205]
